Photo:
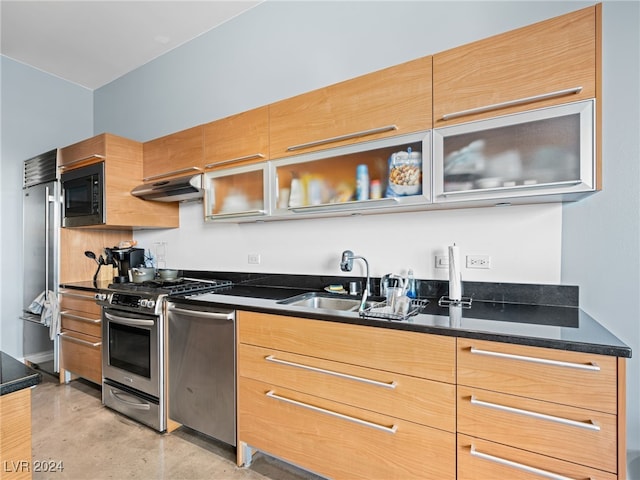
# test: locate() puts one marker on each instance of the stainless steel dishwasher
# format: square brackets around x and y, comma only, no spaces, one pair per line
[202,369]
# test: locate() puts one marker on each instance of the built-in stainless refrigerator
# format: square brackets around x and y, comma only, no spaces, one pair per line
[41,223]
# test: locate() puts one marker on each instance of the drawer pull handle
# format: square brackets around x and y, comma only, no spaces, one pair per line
[78,160]
[234,160]
[119,396]
[391,429]
[339,138]
[93,321]
[272,358]
[77,295]
[581,366]
[66,336]
[512,103]
[174,172]
[519,466]
[567,183]
[589,425]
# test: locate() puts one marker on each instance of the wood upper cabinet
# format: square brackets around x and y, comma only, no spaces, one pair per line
[547,63]
[393,101]
[123,171]
[173,155]
[237,140]
[86,152]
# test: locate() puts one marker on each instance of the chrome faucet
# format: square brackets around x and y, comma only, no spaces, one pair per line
[346,265]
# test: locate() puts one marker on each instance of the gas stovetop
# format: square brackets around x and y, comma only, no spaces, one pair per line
[170,287]
[147,297]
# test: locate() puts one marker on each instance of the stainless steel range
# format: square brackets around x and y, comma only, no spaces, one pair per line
[133,345]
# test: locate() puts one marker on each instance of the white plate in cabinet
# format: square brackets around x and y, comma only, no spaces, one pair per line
[340,441]
[541,155]
[482,460]
[237,194]
[326,180]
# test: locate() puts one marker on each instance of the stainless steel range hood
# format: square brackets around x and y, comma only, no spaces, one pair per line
[172,190]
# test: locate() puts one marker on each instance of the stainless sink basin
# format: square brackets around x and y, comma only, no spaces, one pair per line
[326,301]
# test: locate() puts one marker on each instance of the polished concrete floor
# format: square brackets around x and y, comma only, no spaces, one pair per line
[72,429]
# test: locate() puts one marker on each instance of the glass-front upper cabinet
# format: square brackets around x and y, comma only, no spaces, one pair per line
[392,173]
[237,194]
[546,152]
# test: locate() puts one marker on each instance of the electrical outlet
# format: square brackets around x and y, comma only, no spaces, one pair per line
[442,261]
[478,261]
[253,259]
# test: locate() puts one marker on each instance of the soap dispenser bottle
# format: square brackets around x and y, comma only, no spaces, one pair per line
[411,285]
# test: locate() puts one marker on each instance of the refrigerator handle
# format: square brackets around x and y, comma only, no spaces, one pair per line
[47,239]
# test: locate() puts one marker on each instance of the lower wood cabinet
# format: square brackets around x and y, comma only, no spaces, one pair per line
[350,401]
[552,410]
[15,435]
[80,336]
[346,401]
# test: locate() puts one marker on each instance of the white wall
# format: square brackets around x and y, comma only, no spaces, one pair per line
[39,112]
[390,242]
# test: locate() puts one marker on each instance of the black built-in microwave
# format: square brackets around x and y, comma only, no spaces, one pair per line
[83,196]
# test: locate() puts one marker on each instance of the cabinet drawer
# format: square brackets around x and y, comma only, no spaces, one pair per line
[82,302]
[573,434]
[409,353]
[414,399]
[481,460]
[82,322]
[340,441]
[572,378]
[81,354]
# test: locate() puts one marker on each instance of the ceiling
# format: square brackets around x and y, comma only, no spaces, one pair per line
[93,42]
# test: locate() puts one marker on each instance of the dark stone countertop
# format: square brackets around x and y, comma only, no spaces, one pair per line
[526,314]
[15,375]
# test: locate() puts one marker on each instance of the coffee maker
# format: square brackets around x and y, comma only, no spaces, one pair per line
[124,259]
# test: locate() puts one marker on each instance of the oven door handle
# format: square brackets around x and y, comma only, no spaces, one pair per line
[138,322]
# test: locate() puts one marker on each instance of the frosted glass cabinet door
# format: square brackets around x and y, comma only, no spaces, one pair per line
[395,174]
[548,151]
[236,194]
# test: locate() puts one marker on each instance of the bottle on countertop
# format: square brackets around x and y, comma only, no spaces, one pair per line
[411,285]
[362,182]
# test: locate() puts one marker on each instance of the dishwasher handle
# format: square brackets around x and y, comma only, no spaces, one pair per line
[220,315]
